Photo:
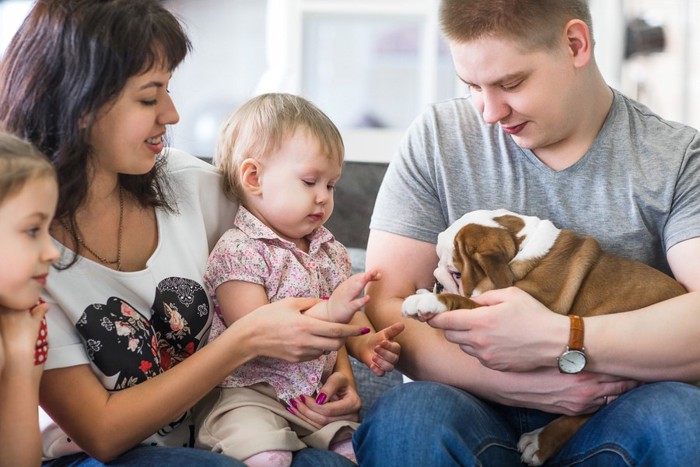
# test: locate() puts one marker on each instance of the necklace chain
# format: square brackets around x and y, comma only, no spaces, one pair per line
[102,259]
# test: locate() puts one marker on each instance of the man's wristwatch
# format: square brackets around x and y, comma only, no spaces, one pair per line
[573,360]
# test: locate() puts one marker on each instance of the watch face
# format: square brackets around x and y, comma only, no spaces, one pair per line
[572,361]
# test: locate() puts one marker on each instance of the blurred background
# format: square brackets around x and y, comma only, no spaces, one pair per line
[372,65]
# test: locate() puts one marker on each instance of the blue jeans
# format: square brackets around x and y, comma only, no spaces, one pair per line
[423,423]
[153,456]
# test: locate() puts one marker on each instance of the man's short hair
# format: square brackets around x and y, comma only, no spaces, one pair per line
[531,23]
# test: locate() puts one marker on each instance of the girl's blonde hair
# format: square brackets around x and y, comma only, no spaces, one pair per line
[20,161]
[260,126]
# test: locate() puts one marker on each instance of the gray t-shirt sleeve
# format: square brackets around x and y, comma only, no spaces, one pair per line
[407,199]
[684,219]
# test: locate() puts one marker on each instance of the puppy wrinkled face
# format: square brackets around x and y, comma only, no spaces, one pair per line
[474,250]
[482,255]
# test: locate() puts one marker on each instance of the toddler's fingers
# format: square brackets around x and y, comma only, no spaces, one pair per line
[391,354]
[373,275]
[376,370]
[394,330]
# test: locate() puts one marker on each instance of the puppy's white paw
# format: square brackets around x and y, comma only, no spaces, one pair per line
[422,306]
[529,446]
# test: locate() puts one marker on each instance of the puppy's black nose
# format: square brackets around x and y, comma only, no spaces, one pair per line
[438,288]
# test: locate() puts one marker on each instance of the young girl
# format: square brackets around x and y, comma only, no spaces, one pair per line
[28,194]
[87,82]
[281,157]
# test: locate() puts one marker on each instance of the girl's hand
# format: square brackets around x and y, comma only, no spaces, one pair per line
[18,335]
[20,442]
[380,352]
[337,400]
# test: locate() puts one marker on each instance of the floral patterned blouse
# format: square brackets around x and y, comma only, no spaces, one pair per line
[252,252]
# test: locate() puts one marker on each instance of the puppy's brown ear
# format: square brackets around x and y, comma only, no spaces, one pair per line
[514,225]
[495,265]
[461,259]
[494,255]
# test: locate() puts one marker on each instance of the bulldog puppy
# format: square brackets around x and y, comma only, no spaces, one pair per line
[485,250]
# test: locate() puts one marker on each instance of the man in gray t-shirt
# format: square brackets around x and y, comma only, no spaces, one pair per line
[540,134]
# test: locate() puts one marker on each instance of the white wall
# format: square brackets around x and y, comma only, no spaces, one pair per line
[229,59]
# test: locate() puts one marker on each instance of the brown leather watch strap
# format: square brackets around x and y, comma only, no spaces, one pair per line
[576,333]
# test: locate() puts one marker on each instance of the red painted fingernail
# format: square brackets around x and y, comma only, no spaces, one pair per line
[364,331]
[291,411]
[325,298]
[303,399]
[294,403]
[321,399]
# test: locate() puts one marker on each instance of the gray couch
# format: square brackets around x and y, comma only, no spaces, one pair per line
[354,201]
[369,386]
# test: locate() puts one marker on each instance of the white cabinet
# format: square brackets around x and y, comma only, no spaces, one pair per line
[371,65]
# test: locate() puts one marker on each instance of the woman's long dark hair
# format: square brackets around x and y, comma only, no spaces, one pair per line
[68,60]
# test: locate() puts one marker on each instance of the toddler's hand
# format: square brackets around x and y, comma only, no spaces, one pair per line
[344,302]
[380,352]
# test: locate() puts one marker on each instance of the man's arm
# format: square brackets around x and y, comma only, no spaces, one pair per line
[406,265]
[659,342]
[514,332]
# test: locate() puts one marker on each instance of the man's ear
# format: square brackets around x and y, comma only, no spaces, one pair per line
[578,38]
[250,176]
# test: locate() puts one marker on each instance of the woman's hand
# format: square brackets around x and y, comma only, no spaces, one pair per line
[337,400]
[281,330]
[380,352]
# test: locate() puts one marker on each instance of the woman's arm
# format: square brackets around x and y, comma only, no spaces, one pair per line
[106,425]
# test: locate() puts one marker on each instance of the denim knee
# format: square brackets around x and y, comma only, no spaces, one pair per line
[424,423]
[668,417]
[656,424]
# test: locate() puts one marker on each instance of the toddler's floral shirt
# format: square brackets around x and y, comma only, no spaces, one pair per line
[252,252]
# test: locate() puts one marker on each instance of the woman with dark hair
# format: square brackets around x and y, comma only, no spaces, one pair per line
[86,82]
